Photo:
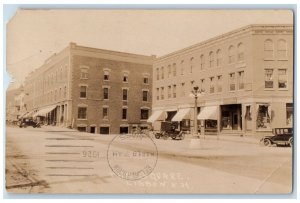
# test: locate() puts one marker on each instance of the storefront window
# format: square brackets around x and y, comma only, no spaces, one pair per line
[248,113]
[263,116]
[289,114]
[226,120]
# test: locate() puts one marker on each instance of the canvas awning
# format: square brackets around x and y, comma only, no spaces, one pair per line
[208,112]
[157,115]
[181,114]
[44,111]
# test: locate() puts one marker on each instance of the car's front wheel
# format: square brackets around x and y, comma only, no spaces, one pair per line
[267,142]
[291,142]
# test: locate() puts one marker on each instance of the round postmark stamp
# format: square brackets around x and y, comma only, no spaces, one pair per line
[132,156]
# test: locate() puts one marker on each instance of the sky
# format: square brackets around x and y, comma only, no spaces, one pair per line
[33,35]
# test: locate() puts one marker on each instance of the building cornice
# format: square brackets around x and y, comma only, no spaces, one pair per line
[254,29]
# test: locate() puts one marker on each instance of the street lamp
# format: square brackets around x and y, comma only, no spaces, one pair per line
[195,93]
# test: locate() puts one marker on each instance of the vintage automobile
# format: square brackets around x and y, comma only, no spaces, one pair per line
[281,136]
[23,123]
[168,129]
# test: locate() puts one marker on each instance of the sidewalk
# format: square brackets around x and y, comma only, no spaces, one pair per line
[227,137]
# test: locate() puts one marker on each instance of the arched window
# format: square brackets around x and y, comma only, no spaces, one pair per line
[240,55]
[269,49]
[191,64]
[211,59]
[202,62]
[231,54]
[219,57]
[281,49]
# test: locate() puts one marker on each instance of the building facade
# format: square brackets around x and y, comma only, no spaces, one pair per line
[245,78]
[92,90]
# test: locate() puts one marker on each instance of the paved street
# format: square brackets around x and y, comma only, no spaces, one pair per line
[59,160]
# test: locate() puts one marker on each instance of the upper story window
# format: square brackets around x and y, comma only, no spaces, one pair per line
[105,111]
[202,85]
[212,85]
[269,83]
[219,83]
[183,89]
[241,50]
[232,82]
[83,90]
[191,64]
[145,95]
[169,71]
[268,49]
[125,77]
[241,83]
[157,73]
[157,93]
[65,92]
[82,112]
[282,78]
[231,54]
[281,49]
[162,73]
[182,67]
[125,94]
[202,62]
[219,57]
[211,59]
[174,91]
[61,73]
[146,79]
[162,93]
[174,69]
[84,73]
[169,91]
[106,75]
[124,113]
[105,93]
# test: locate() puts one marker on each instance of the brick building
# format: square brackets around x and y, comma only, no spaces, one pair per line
[246,76]
[93,90]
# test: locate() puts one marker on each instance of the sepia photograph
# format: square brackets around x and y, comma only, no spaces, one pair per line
[150,101]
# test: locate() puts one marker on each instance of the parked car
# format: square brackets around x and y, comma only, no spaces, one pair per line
[168,129]
[28,122]
[281,136]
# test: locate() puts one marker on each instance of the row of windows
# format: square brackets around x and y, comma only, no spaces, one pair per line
[59,75]
[52,96]
[281,78]
[214,59]
[83,93]
[269,49]
[235,81]
[106,75]
[82,113]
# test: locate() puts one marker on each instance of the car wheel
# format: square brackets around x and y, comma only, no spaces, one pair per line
[267,142]
[157,135]
[291,142]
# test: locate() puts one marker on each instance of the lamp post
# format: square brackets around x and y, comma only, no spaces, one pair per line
[195,93]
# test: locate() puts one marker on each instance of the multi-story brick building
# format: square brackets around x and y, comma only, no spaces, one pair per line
[93,90]
[247,76]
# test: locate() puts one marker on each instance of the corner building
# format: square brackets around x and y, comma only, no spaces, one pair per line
[92,90]
[246,76]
